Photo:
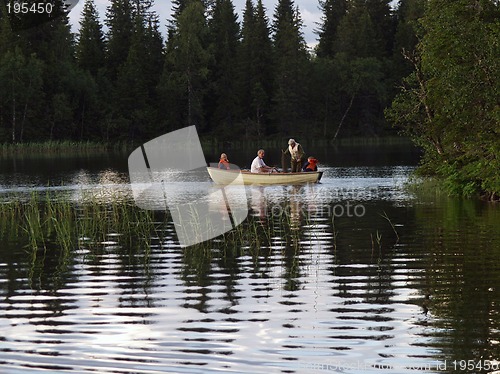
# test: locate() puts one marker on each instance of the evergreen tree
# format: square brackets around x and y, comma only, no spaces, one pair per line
[290,63]
[324,96]
[21,93]
[255,69]
[138,78]
[44,58]
[245,59]
[119,19]
[184,80]
[356,33]
[90,47]
[53,43]
[360,64]
[333,12]
[406,36]
[178,6]
[383,24]
[224,30]
[263,65]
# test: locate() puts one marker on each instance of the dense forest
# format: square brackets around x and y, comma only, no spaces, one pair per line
[120,78]
[428,68]
[450,103]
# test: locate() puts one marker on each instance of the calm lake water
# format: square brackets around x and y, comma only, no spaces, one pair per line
[363,277]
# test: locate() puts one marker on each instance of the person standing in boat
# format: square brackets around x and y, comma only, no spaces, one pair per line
[224,162]
[258,164]
[296,153]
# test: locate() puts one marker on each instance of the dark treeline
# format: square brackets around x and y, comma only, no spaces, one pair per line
[252,78]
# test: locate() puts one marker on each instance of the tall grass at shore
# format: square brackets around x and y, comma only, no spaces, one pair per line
[43,222]
[425,188]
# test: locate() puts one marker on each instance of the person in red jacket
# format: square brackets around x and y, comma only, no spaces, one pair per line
[224,162]
[311,164]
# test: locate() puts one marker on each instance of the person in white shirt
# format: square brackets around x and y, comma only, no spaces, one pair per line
[258,164]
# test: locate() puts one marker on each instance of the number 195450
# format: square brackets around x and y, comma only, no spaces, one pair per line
[472,365]
[25,8]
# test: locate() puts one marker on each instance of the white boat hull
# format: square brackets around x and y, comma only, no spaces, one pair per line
[226,177]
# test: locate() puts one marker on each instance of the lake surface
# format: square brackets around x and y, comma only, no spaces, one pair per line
[353,275]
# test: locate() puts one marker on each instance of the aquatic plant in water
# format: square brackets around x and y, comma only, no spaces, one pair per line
[49,221]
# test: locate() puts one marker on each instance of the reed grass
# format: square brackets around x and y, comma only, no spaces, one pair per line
[425,188]
[47,220]
[50,222]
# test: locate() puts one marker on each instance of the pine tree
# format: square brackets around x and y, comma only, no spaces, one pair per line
[186,70]
[255,70]
[139,77]
[21,93]
[245,59]
[290,63]
[359,61]
[178,6]
[45,56]
[262,84]
[383,24]
[406,36]
[333,12]
[119,19]
[90,47]
[224,30]
[356,33]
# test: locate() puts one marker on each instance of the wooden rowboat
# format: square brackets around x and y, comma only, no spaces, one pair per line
[226,177]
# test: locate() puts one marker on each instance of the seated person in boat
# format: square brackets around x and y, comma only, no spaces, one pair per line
[258,164]
[311,164]
[296,153]
[224,162]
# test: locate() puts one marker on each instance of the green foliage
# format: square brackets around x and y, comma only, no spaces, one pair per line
[450,103]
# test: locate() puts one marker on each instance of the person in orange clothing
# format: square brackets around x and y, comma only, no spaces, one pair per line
[311,164]
[224,162]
